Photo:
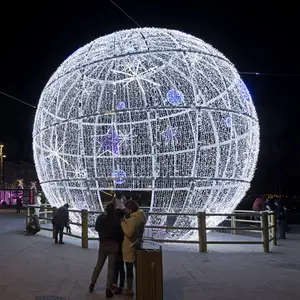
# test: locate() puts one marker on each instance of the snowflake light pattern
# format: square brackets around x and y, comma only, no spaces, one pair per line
[170,135]
[147,109]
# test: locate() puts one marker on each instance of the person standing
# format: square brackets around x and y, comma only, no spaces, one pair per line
[61,220]
[258,206]
[110,236]
[19,205]
[133,229]
[119,271]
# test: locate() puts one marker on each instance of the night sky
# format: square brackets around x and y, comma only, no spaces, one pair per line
[36,39]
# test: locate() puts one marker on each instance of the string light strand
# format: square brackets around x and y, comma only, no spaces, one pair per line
[17,99]
[270,74]
[125,13]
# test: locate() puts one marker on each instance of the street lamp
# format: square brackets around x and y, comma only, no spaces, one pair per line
[2,156]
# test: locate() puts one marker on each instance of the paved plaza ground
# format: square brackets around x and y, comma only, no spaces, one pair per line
[32,266]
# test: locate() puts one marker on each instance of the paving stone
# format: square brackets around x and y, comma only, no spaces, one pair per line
[32,267]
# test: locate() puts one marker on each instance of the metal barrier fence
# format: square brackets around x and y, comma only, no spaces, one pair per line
[265,224]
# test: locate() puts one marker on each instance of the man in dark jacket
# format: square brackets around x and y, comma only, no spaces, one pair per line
[120,270]
[110,235]
[19,205]
[61,220]
[280,216]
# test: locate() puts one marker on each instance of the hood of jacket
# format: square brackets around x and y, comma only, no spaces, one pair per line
[139,216]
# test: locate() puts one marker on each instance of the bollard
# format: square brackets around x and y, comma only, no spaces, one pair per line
[84,229]
[202,232]
[53,228]
[265,231]
[233,224]
[274,228]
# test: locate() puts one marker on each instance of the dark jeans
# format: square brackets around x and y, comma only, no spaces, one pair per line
[111,251]
[120,271]
[129,274]
[18,210]
[281,225]
[59,231]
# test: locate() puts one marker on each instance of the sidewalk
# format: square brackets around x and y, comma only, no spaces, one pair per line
[32,266]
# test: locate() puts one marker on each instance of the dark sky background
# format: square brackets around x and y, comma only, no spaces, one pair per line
[36,39]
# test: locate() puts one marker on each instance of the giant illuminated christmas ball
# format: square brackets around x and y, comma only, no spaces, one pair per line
[147,109]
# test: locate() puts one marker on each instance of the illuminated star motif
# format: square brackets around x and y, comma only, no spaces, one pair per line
[109,142]
[112,141]
[120,175]
[228,122]
[175,97]
[170,135]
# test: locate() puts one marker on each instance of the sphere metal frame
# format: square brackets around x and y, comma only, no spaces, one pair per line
[196,152]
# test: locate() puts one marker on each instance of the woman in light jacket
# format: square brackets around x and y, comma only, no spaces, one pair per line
[133,228]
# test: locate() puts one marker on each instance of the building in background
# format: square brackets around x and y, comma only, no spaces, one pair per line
[23,170]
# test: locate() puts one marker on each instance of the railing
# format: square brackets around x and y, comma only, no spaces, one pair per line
[266,225]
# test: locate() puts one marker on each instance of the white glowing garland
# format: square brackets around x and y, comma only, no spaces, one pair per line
[147,109]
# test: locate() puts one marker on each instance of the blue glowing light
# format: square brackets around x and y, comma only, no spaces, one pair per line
[121,105]
[228,121]
[120,174]
[170,134]
[109,142]
[175,97]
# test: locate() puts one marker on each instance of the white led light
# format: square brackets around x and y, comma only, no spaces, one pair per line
[147,109]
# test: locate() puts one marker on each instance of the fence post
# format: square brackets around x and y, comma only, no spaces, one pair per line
[84,229]
[53,228]
[27,215]
[233,224]
[265,230]
[45,206]
[202,232]
[274,228]
[261,225]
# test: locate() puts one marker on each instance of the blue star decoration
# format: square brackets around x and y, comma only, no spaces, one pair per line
[175,97]
[170,134]
[110,142]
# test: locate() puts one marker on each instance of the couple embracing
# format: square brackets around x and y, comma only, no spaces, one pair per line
[121,230]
